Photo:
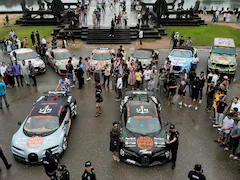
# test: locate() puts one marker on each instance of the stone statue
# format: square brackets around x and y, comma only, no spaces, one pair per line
[172,4]
[180,5]
[160,7]
[48,4]
[41,5]
[23,5]
[57,8]
[196,7]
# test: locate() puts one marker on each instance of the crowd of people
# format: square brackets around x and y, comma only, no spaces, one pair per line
[227,14]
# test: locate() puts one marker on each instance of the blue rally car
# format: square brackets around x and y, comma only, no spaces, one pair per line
[181,58]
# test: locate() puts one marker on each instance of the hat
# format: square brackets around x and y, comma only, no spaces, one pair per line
[230,114]
[88,163]
[225,77]
[172,126]
[197,167]
[236,119]
[62,168]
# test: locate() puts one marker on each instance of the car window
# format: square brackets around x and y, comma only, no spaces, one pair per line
[143,124]
[224,50]
[41,125]
[103,56]
[140,54]
[181,53]
[25,56]
[61,56]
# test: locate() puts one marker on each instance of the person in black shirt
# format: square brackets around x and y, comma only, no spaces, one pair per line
[69,68]
[197,173]
[50,164]
[173,143]
[64,174]
[38,37]
[221,107]
[33,38]
[89,173]
[192,76]
[181,41]
[210,94]
[202,84]
[175,41]
[195,92]
[115,141]
[172,87]
[80,77]
[119,54]
[99,100]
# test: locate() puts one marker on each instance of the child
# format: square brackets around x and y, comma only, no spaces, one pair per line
[150,84]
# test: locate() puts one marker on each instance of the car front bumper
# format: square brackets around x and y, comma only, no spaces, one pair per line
[40,70]
[145,160]
[223,70]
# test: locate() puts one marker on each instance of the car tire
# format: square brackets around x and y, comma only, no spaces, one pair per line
[75,111]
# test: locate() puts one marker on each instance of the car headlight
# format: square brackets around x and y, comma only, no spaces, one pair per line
[122,153]
[42,65]
[130,142]
[92,63]
[159,142]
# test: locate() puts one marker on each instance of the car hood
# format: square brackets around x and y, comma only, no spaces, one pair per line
[145,143]
[178,61]
[223,59]
[144,60]
[36,143]
[62,63]
[36,62]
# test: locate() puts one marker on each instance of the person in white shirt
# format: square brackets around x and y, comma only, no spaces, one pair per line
[140,36]
[25,72]
[147,75]
[119,87]
[139,16]
[235,104]
[228,17]
[44,41]
[3,73]
[217,14]
[226,129]
[215,78]
[11,33]
[18,42]
[195,61]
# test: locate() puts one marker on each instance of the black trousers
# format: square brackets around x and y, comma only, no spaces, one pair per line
[4,159]
[34,80]
[174,149]
[138,84]
[106,78]
[125,81]
[80,82]
[21,79]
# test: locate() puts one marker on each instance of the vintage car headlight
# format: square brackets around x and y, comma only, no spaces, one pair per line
[159,142]
[130,142]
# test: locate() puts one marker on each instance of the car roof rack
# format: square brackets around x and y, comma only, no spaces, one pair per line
[56,93]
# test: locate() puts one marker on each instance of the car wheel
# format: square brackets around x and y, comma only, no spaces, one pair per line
[75,110]
[65,143]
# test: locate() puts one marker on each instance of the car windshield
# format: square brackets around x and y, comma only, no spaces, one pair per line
[25,56]
[181,53]
[143,125]
[140,54]
[61,56]
[224,50]
[41,125]
[103,56]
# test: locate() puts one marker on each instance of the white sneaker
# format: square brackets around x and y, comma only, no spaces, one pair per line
[194,100]
[180,103]
[180,106]
[72,86]
[185,105]
[196,108]
[190,106]
[200,101]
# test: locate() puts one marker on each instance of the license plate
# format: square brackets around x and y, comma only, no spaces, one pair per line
[130,161]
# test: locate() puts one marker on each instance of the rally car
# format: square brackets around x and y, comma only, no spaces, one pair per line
[58,59]
[46,127]
[145,56]
[143,133]
[28,54]
[100,57]
[181,58]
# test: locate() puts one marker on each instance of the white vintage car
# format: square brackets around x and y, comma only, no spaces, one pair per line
[58,59]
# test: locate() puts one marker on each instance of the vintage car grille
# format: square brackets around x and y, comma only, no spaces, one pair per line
[176,68]
[32,157]
[145,160]
[222,65]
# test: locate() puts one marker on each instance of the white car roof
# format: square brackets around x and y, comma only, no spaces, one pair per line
[23,50]
[226,42]
[59,51]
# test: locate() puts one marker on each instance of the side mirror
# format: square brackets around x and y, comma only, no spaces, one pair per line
[19,123]
[66,122]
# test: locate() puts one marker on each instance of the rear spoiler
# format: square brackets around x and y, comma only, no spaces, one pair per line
[55,93]
[139,93]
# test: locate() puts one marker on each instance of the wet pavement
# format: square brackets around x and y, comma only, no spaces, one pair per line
[89,136]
